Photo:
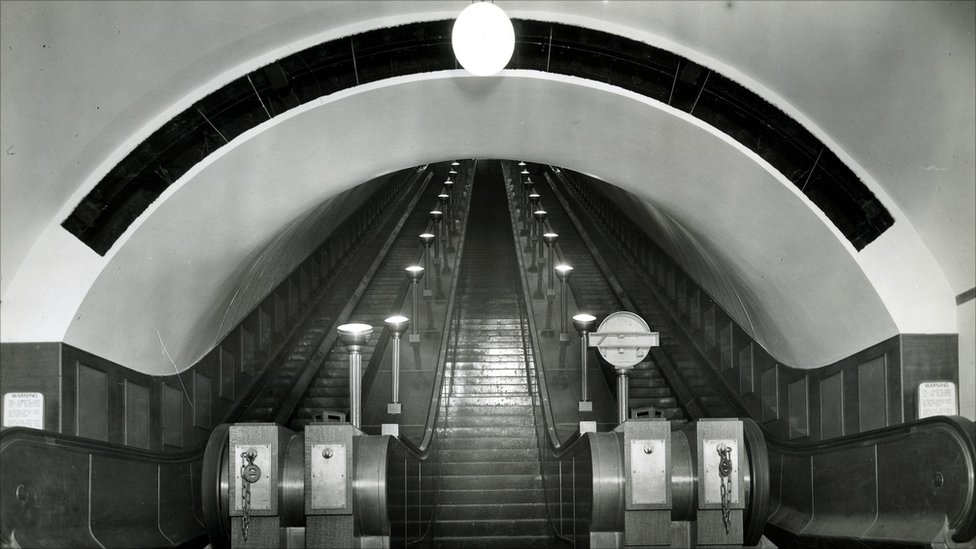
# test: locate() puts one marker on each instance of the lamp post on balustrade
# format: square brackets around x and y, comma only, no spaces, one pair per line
[527,186]
[540,217]
[453,203]
[427,239]
[397,325]
[435,217]
[443,199]
[355,336]
[563,273]
[583,323]
[534,199]
[414,274]
[550,239]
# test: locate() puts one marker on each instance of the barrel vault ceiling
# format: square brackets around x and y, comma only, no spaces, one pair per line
[889,87]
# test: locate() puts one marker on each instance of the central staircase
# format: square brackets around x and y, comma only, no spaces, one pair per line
[490,485]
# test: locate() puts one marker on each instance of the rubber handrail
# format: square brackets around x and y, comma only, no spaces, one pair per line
[311,367]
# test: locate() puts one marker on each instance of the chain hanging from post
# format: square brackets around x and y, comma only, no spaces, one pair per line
[250,473]
[725,476]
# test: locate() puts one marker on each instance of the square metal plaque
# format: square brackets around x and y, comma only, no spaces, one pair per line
[328,476]
[648,469]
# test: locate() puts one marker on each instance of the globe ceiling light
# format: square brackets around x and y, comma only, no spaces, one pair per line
[483,39]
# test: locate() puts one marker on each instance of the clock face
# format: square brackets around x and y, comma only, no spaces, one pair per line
[623,322]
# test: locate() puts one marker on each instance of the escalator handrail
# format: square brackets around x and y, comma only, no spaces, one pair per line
[376,360]
[372,483]
[310,368]
[534,353]
[277,358]
[422,449]
[683,394]
[959,428]
[11,436]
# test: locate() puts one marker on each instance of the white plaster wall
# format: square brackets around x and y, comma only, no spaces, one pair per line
[159,288]
[889,85]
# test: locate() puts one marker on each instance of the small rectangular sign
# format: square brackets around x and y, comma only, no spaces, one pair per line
[23,410]
[648,471]
[937,398]
[328,476]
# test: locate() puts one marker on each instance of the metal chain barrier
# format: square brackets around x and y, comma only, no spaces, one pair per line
[725,475]
[250,473]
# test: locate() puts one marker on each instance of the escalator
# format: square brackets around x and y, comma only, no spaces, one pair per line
[491,492]
[821,494]
[600,282]
[377,298]
[489,469]
[62,490]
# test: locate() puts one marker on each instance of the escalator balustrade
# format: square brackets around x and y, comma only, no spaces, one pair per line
[489,470]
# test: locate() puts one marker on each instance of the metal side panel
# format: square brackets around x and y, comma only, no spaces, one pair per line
[44,496]
[124,503]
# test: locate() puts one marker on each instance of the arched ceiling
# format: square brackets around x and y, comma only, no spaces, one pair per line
[889,86]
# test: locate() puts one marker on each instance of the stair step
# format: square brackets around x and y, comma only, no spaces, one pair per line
[481,483]
[489,420]
[495,432]
[488,389]
[479,444]
[492,512]
[481,468]
[494,370]
[326,402]
[501,497]
[491,528]
[478,401]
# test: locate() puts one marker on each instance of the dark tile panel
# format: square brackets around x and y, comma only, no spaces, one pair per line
[172,421]
[747,373]
[33,368]
[137,415]
[202,401]
[926,357]
[725,345]
[228,371]
[872,391]
[770,394]
[92,400]
[813,406]
[832,406]
[797,408]
[248,344]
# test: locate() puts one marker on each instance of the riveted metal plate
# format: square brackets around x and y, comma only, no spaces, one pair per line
[328,476]
[648,470]
[713,482]
[260,490]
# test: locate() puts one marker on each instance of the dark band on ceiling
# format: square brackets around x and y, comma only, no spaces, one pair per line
[138,180]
